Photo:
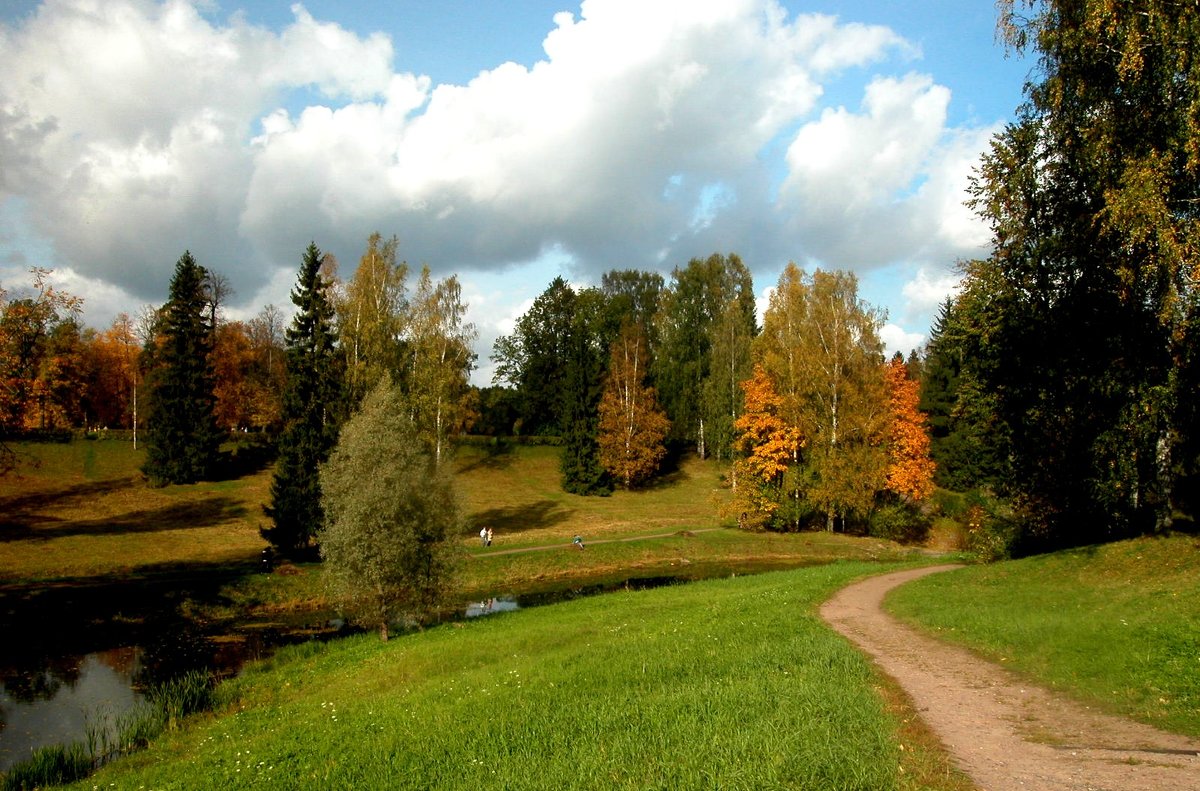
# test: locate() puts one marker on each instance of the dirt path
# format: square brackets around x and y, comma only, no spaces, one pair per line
[593,542]
[1003,732]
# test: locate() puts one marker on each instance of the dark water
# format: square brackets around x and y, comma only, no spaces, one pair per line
[56,687]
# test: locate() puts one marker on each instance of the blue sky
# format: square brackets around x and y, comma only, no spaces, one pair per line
[505,142]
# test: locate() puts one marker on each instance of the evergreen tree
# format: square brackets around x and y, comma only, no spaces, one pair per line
[581,394]
[182,437]
[312,400]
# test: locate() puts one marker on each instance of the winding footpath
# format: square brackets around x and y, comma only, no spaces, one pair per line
[1004,732]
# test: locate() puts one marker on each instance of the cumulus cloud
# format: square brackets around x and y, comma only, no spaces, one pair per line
[647,135]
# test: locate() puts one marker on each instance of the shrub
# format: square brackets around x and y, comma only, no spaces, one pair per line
[900,522]
[990,536]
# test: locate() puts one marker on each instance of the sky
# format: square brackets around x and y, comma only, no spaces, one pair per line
[505,142]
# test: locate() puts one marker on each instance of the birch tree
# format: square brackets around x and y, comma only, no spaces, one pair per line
[632,426]
[440,363]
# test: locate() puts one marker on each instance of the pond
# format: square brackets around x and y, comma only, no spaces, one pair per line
[53,692]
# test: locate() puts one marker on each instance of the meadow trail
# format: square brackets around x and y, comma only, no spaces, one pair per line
[1004,732]
[593,542]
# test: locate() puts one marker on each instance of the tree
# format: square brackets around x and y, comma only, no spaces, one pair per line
[689,309]
[910,472]
[371,317]
[632,427]
[312,399]
[1093,200]
[182,438]
[821,346]
[114,389]
[583,382]
[770,447]
[391,516]
[730,364]
[27,328]
[267,373]
[232,361]
[440,364]
[531,359]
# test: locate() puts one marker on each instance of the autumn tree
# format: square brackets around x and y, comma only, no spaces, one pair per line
[632,427]
[114,388]
[770,449]
[371,317]
[821,346]
[31,377]
[312,401]
[439,363]
[910,471]
[267,373]
[182,437]
[390,516]
[232,360]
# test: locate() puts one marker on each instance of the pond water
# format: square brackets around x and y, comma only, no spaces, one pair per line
[54,696]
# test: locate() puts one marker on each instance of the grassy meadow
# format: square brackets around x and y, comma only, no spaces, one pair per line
[731,683]
[1116,625]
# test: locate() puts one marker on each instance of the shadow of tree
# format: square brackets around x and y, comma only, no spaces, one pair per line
[212,510]
[67,495]
[519,518]
[496,456]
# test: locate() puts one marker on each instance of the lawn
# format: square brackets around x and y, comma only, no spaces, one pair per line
[1116,625]
[731,683]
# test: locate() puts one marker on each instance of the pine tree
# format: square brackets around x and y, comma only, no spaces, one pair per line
[182,438]
[312,400]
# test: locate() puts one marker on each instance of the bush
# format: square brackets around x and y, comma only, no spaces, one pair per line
[990,536]
[900,522]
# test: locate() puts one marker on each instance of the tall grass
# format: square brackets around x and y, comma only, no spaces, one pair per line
[731,683]
[1117,625]
[109,735]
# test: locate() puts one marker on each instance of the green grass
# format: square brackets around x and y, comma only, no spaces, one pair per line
[1115,625]
[730,683]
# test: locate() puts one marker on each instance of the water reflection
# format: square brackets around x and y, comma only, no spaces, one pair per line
[56,704]
[493,605]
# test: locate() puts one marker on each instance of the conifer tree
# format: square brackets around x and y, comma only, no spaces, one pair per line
[312,398]
[182,438]
[582,471]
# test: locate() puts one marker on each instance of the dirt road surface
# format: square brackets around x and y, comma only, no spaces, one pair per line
[1004,732]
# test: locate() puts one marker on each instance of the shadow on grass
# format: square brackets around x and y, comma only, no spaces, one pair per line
[495,456]
[212,510]
[519,518]
[67,495]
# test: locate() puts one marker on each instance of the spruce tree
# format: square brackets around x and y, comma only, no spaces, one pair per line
[182,438]
[583,379]
[312,399]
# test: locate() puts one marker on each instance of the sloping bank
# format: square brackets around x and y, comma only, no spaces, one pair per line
[730,683]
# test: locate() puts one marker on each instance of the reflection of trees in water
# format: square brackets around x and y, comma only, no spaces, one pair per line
[40,679]
[170,653]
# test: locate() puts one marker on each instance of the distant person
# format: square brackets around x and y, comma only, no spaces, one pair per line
[483,536]
[578,542]
[489,536]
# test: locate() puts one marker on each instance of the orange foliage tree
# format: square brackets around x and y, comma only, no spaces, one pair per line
[632,426]
[771,447]
[910,469]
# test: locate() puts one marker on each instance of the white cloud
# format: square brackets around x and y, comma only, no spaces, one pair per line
[896,339]
[927,290]
[131,130]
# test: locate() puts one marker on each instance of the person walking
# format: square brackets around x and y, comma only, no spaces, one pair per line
[483,536]
[489,537]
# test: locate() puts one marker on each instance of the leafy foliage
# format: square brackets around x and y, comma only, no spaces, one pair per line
[632,427]
[391,516]
[910,473]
